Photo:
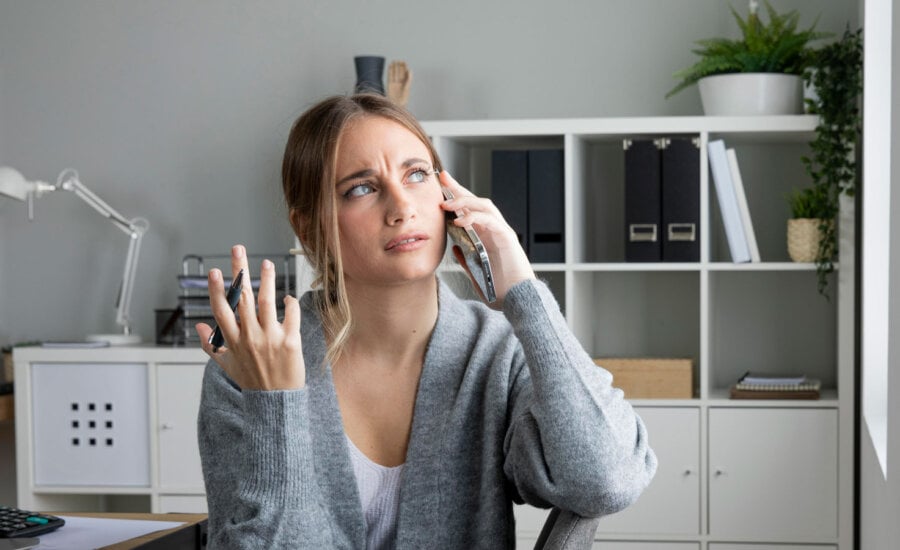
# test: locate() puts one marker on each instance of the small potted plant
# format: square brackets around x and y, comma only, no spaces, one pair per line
[812,218]
[835,72]
[759,74]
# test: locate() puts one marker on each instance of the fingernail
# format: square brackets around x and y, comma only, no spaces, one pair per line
[268,264]
[238,251]
[215,274]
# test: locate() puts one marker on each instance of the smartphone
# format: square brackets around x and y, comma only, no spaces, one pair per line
[473,251]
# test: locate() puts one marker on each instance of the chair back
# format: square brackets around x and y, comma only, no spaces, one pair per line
[567,531]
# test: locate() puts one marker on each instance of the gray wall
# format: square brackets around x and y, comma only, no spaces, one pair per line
[178,112]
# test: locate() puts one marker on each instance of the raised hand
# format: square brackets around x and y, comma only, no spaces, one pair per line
[399,80]
[259,353]
[508,260]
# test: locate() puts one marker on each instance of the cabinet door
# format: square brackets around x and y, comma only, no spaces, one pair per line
[671,503]
[773,472]
[177,402]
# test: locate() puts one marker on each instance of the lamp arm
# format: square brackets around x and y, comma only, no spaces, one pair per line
[123,304]
[73,184]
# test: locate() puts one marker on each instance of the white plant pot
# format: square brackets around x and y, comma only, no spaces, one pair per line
[751,94]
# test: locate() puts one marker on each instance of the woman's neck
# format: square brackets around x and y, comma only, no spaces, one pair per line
[393,323]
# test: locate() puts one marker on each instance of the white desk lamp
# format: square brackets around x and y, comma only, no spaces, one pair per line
[14,185]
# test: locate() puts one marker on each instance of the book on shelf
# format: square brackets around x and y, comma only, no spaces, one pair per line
[741,195]
[728,204]
[767,378]
[775,386]
[808,385]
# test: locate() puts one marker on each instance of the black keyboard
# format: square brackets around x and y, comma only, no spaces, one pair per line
[22,523]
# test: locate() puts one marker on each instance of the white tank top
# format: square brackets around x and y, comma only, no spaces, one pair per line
[379,494]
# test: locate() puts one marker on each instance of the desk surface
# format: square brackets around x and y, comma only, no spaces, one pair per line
[189,520]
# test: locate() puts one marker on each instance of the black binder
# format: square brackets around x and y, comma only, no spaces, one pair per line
[509,190]
[681,200]
[546,217]
[643,201]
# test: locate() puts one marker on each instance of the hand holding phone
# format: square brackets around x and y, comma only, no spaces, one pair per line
[473,252]
[493,255]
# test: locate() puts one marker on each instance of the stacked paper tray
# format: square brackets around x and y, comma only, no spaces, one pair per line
[193,298]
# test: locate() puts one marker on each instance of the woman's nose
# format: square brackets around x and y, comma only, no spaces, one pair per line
[400,207]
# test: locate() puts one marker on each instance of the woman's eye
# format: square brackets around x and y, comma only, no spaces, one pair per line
[359,190]
[417,177]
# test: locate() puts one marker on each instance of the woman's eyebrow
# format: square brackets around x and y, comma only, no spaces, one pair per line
[368,172]
[365,173]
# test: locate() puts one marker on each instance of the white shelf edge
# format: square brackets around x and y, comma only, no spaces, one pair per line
[89,490]
[474,129]
[692,266]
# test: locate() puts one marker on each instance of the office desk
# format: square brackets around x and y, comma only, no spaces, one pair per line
[190,521]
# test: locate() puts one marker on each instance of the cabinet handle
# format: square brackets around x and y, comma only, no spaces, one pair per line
[720,473]
[688,472]
[167,427]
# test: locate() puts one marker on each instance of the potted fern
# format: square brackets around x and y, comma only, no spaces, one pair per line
[758,74]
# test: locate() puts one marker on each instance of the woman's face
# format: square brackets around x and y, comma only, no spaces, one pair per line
[389,216]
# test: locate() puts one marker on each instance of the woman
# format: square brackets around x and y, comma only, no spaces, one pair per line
[385,412]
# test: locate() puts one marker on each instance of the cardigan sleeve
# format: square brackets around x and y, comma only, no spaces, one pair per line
[258,468]
[573,441]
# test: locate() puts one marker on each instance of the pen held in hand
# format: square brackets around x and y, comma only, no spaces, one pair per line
[232,297]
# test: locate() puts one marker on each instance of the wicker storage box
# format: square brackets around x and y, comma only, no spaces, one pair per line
[651,378]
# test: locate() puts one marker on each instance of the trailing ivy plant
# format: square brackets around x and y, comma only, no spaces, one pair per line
[776,47]
[836,75]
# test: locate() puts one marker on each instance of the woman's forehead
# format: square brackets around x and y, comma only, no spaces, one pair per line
[373,138]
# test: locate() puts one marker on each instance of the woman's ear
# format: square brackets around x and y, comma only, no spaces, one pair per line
[300,224]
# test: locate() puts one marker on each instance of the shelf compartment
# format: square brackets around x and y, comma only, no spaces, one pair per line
[771,322]
[769,172]
[638,314]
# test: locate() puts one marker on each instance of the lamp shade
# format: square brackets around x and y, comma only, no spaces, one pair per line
[13,184]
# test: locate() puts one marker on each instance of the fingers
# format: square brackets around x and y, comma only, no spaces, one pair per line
[247,306]
[454,186]
[268,315]
[291,315]
[204,331]
[469,208]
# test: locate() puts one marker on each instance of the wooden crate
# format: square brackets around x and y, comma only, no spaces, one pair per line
[651,378]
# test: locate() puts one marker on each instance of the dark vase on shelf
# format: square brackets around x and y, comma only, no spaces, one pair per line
[369,71]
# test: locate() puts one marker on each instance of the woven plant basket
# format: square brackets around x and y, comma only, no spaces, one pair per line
[803,238]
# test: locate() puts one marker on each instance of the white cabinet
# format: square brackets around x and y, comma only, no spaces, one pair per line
[671,504]
[109,429]
[773,473]
[178,400]
[729,318]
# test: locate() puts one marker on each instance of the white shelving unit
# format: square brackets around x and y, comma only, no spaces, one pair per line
[734,474]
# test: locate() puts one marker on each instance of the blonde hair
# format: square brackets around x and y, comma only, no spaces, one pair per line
[308,174]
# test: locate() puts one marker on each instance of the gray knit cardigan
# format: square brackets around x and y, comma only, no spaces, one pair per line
[509,408]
